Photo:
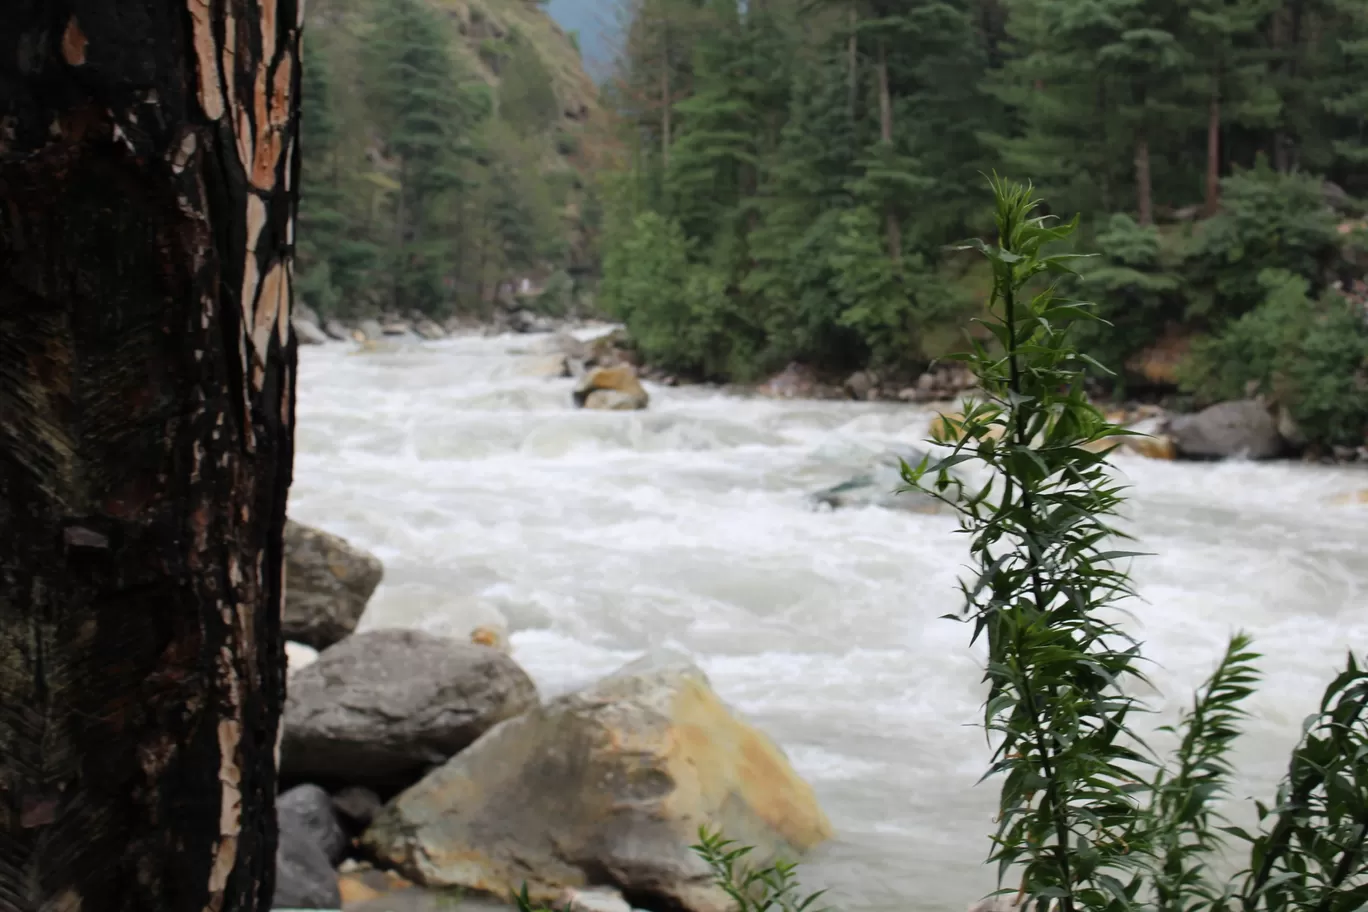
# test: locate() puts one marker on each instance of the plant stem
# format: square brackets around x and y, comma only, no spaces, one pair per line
[1054,811]
[1348,861]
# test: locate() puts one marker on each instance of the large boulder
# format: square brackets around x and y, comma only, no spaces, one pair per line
[336,329]
[879,487]
[382,708]
[308,332]
[620,379]
[311,808]
[604,787]
[1243,428]
[305,878]
[327,585]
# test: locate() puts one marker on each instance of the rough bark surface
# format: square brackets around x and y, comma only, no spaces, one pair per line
[146,398]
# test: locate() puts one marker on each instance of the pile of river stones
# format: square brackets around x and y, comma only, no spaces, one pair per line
[413,764]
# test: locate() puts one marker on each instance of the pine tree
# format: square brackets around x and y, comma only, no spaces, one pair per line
[321,223]
[427,121]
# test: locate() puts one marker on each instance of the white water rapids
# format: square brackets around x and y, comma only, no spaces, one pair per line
[603,534]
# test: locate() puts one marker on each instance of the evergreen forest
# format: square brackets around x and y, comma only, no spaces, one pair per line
[764,182]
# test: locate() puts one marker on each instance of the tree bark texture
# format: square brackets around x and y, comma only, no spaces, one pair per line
[147,185]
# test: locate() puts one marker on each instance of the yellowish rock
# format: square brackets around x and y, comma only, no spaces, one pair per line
[620,379]
[1353,497]
[1151,447]
[616,778]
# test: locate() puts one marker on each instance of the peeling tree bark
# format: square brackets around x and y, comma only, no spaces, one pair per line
[147,184]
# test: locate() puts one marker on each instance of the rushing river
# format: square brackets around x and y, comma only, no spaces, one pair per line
[600,535]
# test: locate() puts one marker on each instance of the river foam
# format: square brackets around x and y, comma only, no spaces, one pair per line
[600,535]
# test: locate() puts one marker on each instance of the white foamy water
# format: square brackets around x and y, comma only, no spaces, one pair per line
[601,535]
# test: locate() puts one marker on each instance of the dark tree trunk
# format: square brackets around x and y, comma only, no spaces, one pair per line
[852,62]
[894,228]
[1213,171]
[147,182]
[666,97]
[1144,194]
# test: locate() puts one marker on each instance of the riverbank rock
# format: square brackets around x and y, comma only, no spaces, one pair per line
[327,585]
[607,786]
[356,807]
[430,330]
[620,381]
[369,330]
[878,487]
[382,708]
[1243,428]
[544,366]
[798,381]
[308,332]
[337,330]
[311,808]
[305,878]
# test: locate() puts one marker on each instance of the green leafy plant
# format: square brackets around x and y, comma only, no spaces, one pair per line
[1079,822]
[1309,354]
[767,888]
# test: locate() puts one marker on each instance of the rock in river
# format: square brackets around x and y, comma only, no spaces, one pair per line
[877,487]
[327,585]
[620,381]
[382,708]
[312,809]
[604,787]
[1243,428]
[305,878]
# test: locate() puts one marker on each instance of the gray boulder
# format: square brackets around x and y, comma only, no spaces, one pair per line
[311,809]
[371,329]
[305,878]
[307,332]
[356,807]
[1243,428]
[607,786]
[336,329]
[327,585]
[878,487]
[382,708]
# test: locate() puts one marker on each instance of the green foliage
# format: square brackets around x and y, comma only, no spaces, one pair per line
[1138,289]
[1310,354]
[769,888]
[681,314]
[527,98]
[1182,821]
[1268,221]
[1078,822]
[1057,673]
[887,304]
[770,133]
[421,187]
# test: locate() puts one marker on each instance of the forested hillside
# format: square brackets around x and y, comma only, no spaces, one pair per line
[447,148]
[796,168]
